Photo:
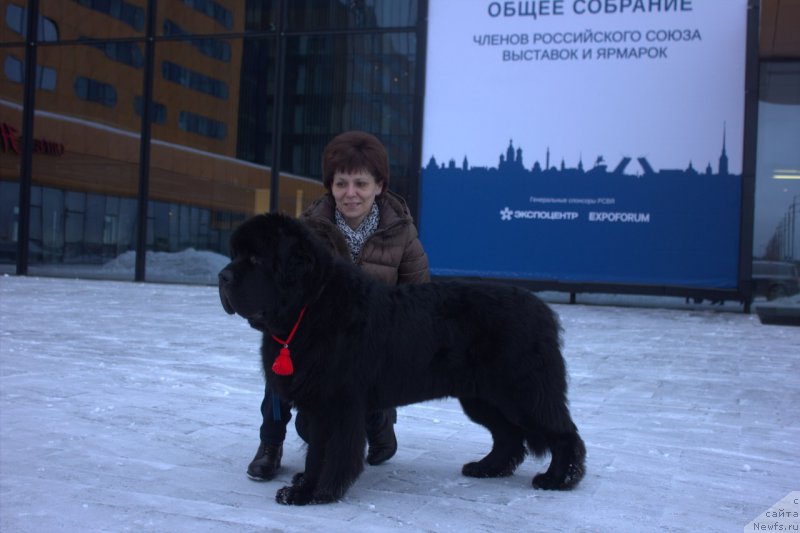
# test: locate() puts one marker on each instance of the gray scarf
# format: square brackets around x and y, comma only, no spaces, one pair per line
[357,237]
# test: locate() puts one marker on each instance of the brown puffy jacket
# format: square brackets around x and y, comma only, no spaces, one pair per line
[393,254]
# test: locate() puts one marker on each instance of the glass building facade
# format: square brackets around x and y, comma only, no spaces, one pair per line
[156,125]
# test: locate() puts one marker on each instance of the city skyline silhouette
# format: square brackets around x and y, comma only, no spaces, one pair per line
[512,162]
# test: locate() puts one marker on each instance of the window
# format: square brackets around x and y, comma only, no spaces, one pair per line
[776,225]
[159,110]
[213,48]
[15,71]
[95,91]
[194,80]
[110,229]
[310,15]
[202,125]
[17,20]
[130,14]
[123,52]
[213,10]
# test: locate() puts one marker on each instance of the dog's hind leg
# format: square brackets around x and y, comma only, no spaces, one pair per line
[566,464]
[550,428]
[508,449]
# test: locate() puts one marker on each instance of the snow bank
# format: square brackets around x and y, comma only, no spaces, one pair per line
[187,266]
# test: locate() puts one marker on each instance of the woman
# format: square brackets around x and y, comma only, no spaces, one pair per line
[382,240]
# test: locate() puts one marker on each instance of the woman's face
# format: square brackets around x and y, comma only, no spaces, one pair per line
[354,194]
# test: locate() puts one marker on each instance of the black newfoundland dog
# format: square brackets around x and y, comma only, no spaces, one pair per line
[339,344]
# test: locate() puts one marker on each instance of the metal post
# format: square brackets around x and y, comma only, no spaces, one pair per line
[745,282]
[277,112]
[792,226]
[415,198]
[144,144]
[26,163]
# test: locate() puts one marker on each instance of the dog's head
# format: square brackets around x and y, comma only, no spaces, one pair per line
[277,266]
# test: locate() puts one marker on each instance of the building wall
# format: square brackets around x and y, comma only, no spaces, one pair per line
[212,128]
[349,66]
[777,225]
[780,29]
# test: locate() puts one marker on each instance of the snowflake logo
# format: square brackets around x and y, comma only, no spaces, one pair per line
[505,213]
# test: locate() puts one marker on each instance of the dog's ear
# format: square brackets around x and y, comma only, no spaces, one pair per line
[329,236]
[295,256]
[302,257]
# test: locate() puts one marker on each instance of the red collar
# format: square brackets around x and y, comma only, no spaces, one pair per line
[283,363]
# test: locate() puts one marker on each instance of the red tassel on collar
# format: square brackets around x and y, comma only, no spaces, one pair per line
[283,363]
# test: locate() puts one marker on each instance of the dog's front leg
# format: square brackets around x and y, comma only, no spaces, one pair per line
[301,491]
[344,447]
[334,459]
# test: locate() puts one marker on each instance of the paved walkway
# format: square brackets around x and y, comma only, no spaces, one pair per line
[130,407]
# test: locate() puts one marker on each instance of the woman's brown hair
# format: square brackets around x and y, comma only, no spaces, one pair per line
[355,151]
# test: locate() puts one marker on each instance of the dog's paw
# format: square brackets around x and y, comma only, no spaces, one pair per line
[298,493]
[567,481]
[481,469]
[293,495]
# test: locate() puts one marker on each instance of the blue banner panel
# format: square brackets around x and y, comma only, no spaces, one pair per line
[675,227]
[654,91]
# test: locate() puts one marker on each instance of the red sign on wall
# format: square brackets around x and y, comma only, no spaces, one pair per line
[12,142]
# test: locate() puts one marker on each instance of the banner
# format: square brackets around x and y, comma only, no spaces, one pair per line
[585,140]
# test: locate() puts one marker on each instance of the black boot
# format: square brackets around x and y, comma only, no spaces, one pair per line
[266,462]
[382,441]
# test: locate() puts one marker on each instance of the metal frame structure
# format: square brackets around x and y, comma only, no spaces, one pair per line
[742,293]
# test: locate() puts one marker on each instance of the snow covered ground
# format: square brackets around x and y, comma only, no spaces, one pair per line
[134,407]
[186,266]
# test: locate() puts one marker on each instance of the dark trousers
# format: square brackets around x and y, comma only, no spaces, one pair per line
[276,414]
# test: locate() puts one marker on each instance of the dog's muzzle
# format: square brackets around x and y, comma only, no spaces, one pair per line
[225,278]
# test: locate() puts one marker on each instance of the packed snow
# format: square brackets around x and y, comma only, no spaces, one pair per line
[187,266]
[135,407]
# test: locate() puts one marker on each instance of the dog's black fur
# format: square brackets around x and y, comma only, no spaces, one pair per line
[363,345]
